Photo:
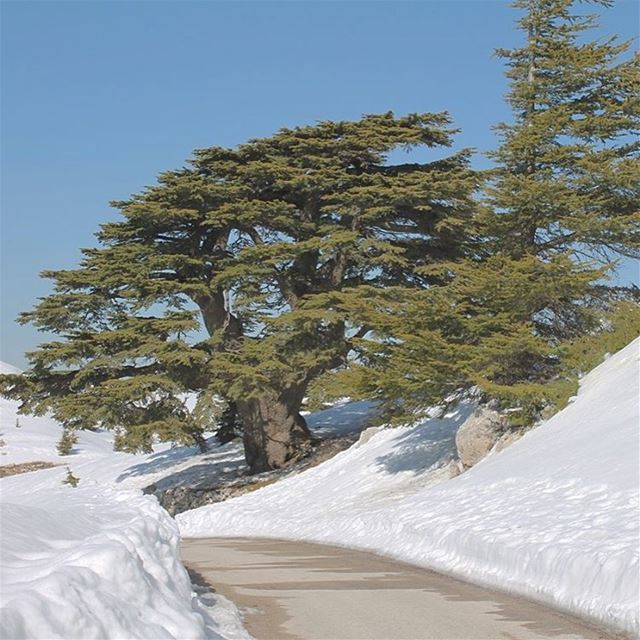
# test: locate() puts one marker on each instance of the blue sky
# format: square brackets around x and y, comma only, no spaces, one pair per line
[98,97]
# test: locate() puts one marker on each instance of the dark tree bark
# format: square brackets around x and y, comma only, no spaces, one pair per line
[274,432]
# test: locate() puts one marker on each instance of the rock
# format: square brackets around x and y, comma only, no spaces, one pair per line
[455,468]
[25,467]
[478,435]
[508,438]
[367,434]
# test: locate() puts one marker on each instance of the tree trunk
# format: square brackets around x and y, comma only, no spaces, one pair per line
[199,440]
[274,432]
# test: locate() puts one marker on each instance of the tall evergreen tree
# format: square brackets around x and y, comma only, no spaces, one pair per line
[258,245]
[568,167]
[566,189]
[561,206]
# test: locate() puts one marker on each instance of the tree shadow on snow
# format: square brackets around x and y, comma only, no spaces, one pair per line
[430,443]
[219,454]
[341,419]
[226,461]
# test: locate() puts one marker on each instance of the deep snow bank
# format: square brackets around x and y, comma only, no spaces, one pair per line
[94,563]
[99,560]
[553,517]
[89,562]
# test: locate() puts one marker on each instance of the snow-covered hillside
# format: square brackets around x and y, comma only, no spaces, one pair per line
[100,560]
[89,563]
[553,517]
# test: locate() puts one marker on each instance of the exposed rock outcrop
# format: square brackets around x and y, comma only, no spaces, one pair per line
[367,434]
[25,467]
[485,431]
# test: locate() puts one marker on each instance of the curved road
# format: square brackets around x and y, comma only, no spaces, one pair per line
[299,590]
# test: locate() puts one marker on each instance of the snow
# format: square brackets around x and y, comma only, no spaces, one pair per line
[93,458]
[90,563]
[100,560]
[554,517]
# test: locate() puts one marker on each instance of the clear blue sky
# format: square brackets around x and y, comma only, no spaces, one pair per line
[98,97]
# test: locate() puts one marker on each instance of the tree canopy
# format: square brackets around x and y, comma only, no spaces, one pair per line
[256,244]
[568,171]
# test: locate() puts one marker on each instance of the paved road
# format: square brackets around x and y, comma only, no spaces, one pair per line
[298,590]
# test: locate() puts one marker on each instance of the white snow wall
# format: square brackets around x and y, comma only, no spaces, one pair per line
[92,563]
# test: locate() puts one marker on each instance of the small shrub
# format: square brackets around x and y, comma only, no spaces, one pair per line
[229,425]
[66,442]
[70,479]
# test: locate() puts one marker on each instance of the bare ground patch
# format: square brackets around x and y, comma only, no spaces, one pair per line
[25,467]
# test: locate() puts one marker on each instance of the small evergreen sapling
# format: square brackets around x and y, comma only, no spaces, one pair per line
[70,479]
[67,441]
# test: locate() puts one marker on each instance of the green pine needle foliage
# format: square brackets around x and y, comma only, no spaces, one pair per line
[568,168]
[70,479]
[243,276]
[560,208]
[67,441]
[310,262]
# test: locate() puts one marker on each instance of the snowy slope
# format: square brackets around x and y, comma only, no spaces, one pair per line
[98,560]
[553,517]
[87,563]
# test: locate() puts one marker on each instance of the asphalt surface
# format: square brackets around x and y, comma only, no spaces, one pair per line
[296,590]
